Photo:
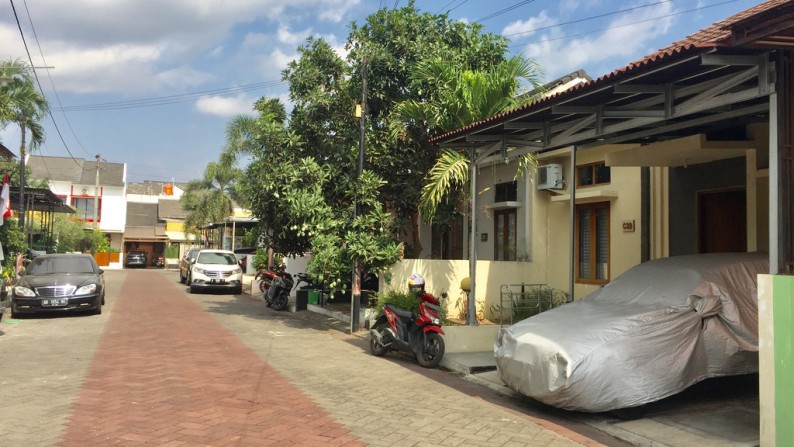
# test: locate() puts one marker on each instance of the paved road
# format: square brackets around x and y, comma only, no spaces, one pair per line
[162,367]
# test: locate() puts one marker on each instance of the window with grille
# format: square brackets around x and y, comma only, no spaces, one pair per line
[593,174]
[592,240]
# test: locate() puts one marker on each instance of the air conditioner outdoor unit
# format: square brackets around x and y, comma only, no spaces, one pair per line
[550,177]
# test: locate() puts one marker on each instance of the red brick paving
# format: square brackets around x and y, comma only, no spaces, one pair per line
[167,374]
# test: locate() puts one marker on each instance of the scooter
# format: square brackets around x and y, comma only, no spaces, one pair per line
[266,278]
[277,295]
[401,330]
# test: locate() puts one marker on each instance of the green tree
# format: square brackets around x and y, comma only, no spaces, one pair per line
[20,102]
[13,240]
[68,233]
[461,97]
[210,199]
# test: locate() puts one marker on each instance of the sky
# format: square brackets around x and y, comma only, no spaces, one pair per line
[152,83]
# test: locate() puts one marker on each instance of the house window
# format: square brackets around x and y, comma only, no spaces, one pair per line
[506,192]
[592,241]
[505,231]
[593,174]
[85,208]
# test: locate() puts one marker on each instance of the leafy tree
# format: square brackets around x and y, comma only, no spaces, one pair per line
[69,234]
[13,240]
[395,42]
[20,102]
[461,97]
[210,199]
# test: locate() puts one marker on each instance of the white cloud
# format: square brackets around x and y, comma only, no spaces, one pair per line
[225,106]
[524,28]
[285,36]
[623,39]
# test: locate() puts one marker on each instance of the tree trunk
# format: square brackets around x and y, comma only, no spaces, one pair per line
[416,240]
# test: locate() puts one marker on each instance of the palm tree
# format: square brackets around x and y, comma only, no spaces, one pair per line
[210,199]
[460,97]
[20,102]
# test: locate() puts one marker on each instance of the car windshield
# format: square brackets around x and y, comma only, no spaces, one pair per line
[216,258]
[43,266]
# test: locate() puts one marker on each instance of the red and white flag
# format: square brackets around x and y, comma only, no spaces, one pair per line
[5,201]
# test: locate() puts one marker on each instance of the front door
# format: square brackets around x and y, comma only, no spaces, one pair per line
[722,221]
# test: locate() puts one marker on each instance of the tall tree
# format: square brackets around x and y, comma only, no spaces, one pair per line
[210,199]
[461,97]
[20,102]
[394,42]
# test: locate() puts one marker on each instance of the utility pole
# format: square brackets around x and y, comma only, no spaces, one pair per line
[96,194]
[355,294]
[22,155]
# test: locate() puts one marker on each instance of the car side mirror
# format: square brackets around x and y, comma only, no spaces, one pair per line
[101,271]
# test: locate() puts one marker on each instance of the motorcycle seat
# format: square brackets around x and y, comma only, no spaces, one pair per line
[400,312]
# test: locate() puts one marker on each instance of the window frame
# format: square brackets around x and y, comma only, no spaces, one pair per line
[593,236]
[504,243]
[77,210]
[593,171]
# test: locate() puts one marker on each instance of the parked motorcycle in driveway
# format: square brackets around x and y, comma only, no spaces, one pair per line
[400,330]
[277,295]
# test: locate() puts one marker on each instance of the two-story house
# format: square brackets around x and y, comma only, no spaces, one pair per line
[94,188]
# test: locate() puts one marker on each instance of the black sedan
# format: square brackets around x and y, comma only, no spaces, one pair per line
[59,283]
[135,258]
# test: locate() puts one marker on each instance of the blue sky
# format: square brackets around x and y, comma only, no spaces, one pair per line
[153,83]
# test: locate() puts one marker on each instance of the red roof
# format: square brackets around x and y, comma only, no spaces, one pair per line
[715,35]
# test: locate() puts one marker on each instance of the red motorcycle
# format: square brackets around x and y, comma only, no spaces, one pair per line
[401,330]
[266,278]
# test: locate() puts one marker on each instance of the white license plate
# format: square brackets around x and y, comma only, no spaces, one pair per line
[55,302]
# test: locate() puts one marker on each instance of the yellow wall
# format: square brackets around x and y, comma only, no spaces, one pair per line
[174,226]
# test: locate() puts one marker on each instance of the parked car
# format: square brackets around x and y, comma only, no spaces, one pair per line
[185,263]
[216,269]
[60,283]
[135,258]
[655,330]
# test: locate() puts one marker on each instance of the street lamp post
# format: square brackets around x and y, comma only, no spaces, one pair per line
[96,194]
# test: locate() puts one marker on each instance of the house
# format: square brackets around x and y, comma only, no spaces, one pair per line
[687,150]
[155,219]
[95,189]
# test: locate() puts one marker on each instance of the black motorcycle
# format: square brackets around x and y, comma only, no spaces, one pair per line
[277,295]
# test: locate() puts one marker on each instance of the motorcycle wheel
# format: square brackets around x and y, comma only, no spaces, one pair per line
[376,348]
[280,301]
[263,286]
[432,351]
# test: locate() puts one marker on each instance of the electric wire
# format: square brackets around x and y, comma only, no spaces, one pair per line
[36,76]
[170,99]
[49,76]
[567,36]
[502,11]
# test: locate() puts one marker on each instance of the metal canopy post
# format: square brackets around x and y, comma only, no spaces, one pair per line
[471,301]
[572,225]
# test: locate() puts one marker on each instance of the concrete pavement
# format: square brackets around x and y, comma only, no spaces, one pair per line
[168,368]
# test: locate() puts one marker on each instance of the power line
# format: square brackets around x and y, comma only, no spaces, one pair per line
[502,11]
[52,84]
[567,36]
[171,99]
[35,75]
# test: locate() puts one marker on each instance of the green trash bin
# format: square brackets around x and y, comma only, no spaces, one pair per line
[314,297]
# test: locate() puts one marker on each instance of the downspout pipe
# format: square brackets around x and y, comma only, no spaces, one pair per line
[471,301]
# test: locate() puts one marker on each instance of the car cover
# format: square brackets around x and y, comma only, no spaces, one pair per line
[652,332]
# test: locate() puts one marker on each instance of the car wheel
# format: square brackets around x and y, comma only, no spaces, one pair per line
[238,291]
[432,351]
[12,313]
[98,310]
[181,278]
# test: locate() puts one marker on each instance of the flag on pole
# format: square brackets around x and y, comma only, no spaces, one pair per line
[5,201]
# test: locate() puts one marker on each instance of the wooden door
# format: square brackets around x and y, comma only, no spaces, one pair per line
[722,221]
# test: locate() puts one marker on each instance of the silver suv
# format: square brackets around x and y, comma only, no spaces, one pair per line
[186,263]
